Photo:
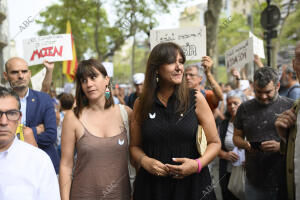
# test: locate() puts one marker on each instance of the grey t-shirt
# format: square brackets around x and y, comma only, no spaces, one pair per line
[257,120]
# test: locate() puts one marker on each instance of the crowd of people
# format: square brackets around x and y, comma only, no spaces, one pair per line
[108,143]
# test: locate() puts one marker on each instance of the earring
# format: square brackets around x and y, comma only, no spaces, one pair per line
[157,78]
[107,93]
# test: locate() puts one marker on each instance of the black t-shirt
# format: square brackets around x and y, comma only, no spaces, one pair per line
[257,120]
[131,99]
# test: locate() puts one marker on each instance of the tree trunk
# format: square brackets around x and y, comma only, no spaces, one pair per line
[97,25]
[212,23]
[133,57]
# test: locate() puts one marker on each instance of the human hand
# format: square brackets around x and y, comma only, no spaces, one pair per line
[231,156]
[29,136]
[40,128]
[187,167]
[207,63]
[284,121]
[257,61]
[49,65]
[235,73]
[154,166]
[270,146]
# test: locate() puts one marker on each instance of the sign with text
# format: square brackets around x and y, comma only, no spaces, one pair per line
[50,47]
[258,45]
[240,55]
[192,40]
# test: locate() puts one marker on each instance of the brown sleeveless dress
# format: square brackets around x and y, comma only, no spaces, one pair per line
[101,171]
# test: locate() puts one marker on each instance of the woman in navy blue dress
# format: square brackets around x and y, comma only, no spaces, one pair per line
[163,133]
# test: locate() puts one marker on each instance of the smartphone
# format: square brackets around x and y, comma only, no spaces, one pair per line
[255,145]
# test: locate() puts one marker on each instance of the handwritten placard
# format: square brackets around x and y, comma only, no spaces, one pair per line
[192,40]
[50,47]
[109,67]
[240,55]
[37,79]
[258,45]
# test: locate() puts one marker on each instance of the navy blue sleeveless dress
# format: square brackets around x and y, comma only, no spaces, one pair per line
[167,134]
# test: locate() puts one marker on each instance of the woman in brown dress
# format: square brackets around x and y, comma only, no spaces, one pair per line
[96,128]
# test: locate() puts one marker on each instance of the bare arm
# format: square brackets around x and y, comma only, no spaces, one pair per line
[68,140]
[239,141]
[48,77]
[207,63]
[257,61]
[207,121]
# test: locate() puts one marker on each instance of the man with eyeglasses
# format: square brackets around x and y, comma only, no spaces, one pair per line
[37,109]
[26,172]
[195,79]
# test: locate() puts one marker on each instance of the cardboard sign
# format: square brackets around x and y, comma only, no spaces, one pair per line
[50,47]
[192,40]
[258,46]
[37,79]
[240,55]
[109,66]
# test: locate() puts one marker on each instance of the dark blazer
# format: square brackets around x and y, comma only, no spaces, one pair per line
[40,110]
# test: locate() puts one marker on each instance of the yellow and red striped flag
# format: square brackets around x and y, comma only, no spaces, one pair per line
[70,66]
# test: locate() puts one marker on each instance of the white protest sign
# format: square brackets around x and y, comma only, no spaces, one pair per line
[192,40]
[109,66]
[37,79]
[50,47]
[240,55]
[258,46]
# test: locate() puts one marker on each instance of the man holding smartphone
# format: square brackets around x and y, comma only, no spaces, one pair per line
[255,121]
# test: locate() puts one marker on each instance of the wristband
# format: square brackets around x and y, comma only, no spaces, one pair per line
[238,79]
[199,165]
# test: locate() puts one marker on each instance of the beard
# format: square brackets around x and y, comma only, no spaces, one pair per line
[18,88]
[270,100]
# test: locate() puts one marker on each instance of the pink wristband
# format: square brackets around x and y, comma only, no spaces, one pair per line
[199,165]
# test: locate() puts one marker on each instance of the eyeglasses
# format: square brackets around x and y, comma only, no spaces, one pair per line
[12,115]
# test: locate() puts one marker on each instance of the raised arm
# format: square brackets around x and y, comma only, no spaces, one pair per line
[207,63]
[48,77]
[68,140]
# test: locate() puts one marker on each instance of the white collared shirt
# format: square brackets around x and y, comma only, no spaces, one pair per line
[27,173]
[23,102]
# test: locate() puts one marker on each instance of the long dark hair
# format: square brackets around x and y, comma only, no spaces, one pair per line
[86,68]
[163,53]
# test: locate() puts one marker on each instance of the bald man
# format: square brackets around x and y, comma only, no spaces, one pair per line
[290,145]
[38,115]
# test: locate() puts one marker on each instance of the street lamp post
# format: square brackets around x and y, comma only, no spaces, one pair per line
[269,20]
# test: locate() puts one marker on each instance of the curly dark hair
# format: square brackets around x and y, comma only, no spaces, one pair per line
[263,76]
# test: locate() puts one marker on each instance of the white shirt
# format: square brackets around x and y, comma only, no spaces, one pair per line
[27,173]
[228,142]
[297,159]
[23,108]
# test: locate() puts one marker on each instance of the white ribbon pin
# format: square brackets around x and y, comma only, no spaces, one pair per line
[121,142]
[152,116]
